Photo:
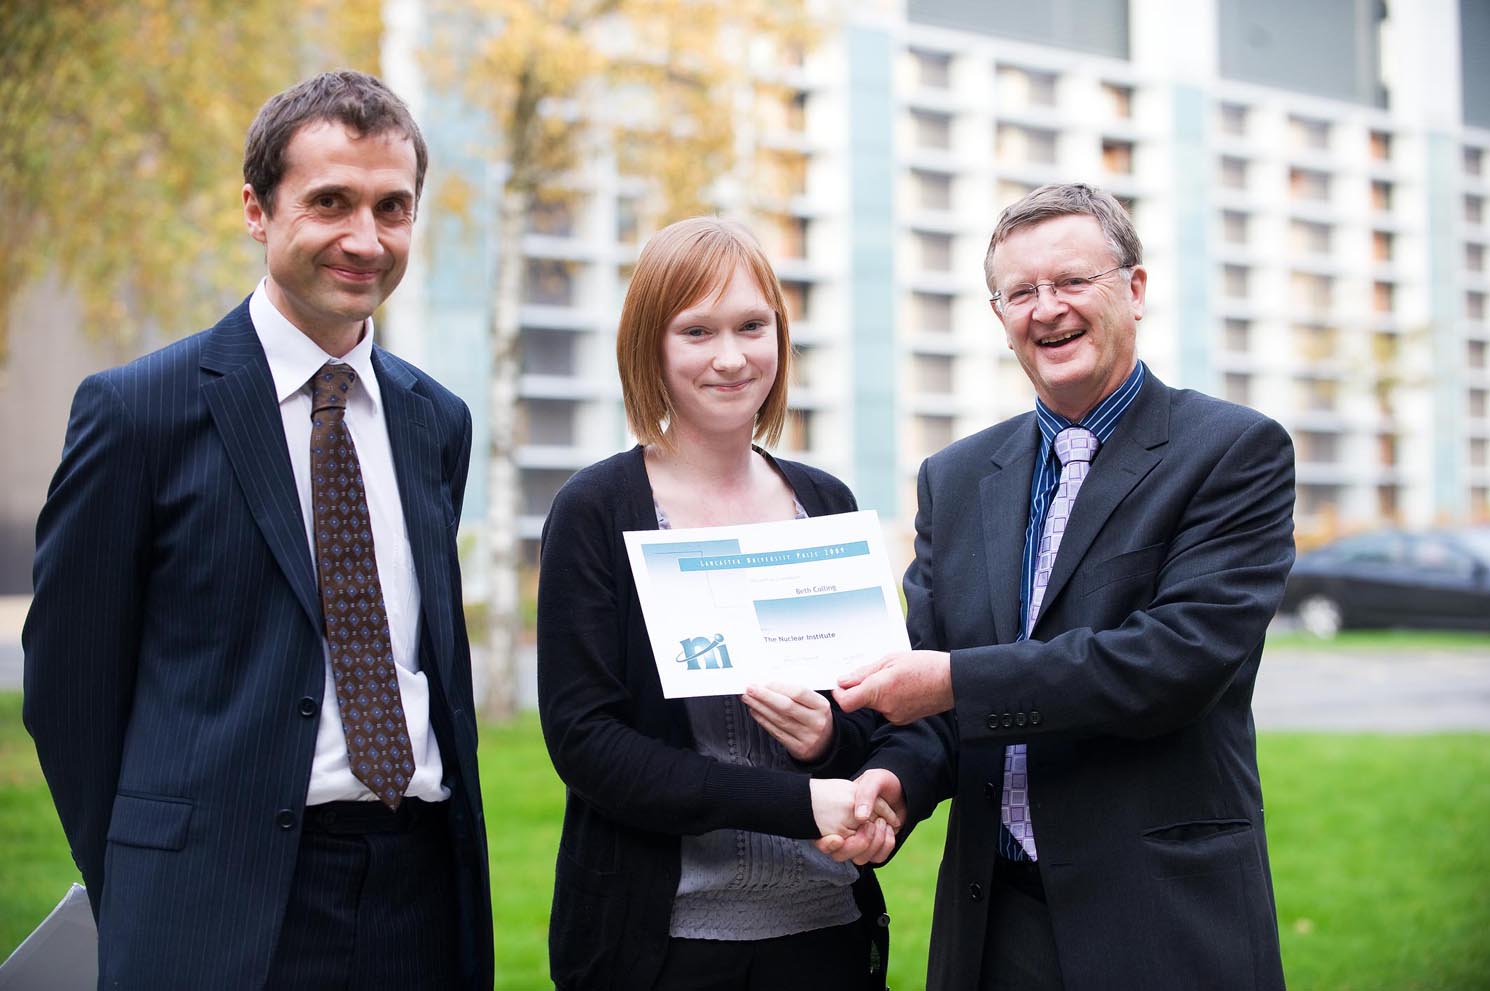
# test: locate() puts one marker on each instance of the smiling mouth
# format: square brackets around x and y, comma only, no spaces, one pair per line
[1059,339]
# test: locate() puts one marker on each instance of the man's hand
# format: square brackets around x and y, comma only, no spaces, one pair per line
[836,804]
[873,841]
[901,687]
[800,719]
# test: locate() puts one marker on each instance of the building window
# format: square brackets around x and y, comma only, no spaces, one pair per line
[1474,257]
[1316,447]
[551,216]
[628,224]
[1233,119]
[547,352]
[1117,156]
[1381,246]
[934,374]
[933,69]
[1381,195]
[799,430]
[1015,143]
[1387,502]
[1310,133]
[1386,348]
[1318,500]
[797,297]
[549,422]
[1233,172]
[1026,87]
[1314,293]
[1119,100]
[1477,453]
[784,173]
[1315,342]
[1009,191]
[1475,353]
[1309,184]
[1381,146]
[1234,226]
[549,282]
[1478,404]
[1237,388]
[933,130]
[1386,450]
[1237,335]
[1474,161]
[786,236]
[1318,395]
[1474,305]
[1309,238]
[1474,209]
[933,190]
[1383,297]
[539,486]
[933,311]
[936,251]
[1234,280]
[934,432]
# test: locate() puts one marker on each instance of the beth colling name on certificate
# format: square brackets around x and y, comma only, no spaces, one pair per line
[798,601]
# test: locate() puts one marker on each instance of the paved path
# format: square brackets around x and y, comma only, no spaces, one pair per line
[1315,689]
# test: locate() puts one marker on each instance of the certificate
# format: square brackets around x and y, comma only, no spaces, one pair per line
[800,601]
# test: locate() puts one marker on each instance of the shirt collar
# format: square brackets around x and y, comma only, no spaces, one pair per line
[294,358]
[1103,418]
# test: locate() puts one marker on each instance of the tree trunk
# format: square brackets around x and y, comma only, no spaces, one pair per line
[499,663]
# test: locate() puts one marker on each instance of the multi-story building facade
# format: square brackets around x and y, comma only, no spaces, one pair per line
[1310,181]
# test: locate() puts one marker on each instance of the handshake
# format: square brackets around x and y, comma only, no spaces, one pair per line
[858,819]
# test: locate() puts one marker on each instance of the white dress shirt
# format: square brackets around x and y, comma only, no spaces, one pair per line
[293,359]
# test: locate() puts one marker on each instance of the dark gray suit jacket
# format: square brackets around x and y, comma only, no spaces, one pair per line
[1133,693]
[173,654]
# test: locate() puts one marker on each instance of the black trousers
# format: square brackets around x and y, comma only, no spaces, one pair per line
[833,959]
[1019,952]
[372,903]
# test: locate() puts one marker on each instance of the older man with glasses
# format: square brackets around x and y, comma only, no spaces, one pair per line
[1092,583]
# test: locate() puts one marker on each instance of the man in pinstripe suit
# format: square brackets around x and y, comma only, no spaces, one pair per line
[178,681]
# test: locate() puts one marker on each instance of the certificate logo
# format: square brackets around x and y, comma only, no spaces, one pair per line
[704,653]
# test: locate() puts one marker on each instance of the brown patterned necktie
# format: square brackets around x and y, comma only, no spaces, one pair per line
[372,711]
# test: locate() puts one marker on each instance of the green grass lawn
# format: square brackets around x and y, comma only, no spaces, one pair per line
[1381,860]
[1403,642]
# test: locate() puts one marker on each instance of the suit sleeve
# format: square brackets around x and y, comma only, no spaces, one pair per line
[1168,662]
[588,707]
[82,634]
[923,754]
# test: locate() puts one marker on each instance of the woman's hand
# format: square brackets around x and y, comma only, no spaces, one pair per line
[833,809]
[800,719]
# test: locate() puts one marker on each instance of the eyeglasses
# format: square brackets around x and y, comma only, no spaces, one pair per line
[1067,287]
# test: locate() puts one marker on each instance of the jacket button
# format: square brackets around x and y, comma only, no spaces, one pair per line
[1008,720]
[975,891]
[1019,719]
[993,721]
[285,819]
[308,707]
[883,921]
[1035,717]
[988,791]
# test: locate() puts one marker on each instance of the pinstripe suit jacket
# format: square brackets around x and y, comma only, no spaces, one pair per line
[173,653]
[1133,693]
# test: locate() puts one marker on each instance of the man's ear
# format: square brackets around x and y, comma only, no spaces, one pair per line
[1138,288]
[254,214]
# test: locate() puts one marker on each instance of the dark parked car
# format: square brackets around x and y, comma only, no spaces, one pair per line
[1438,579]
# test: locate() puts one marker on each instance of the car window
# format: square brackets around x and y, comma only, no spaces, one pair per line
[1373,548]
[1434,555]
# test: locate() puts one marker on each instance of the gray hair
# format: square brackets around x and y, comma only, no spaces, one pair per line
[1065,199]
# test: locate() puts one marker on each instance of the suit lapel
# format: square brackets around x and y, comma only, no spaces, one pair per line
[239,393]
[416,462]
[1130,453]
[1006,486]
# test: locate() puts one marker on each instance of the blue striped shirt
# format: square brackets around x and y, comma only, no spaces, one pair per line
[1102,421]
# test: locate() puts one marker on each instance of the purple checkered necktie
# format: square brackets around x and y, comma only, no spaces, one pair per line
[372,711]
[1075,447]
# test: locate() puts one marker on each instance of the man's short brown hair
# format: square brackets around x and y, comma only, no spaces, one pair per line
[680,265]
[359,101]
[1062,200]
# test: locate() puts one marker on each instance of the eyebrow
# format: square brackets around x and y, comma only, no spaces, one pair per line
[338,189]
[699,314]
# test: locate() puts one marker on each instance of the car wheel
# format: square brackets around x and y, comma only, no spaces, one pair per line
[1321,616]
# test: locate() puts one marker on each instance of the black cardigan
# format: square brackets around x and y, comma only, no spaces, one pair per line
[634,782]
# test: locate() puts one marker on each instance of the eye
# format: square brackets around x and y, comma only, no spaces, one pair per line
[327,201]
[755,327]
[1073,283]
[695,332]
[1020,295]
[393,208]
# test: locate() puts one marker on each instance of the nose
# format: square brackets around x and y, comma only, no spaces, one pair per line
[361,235]
[728,357]
[1048,303]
